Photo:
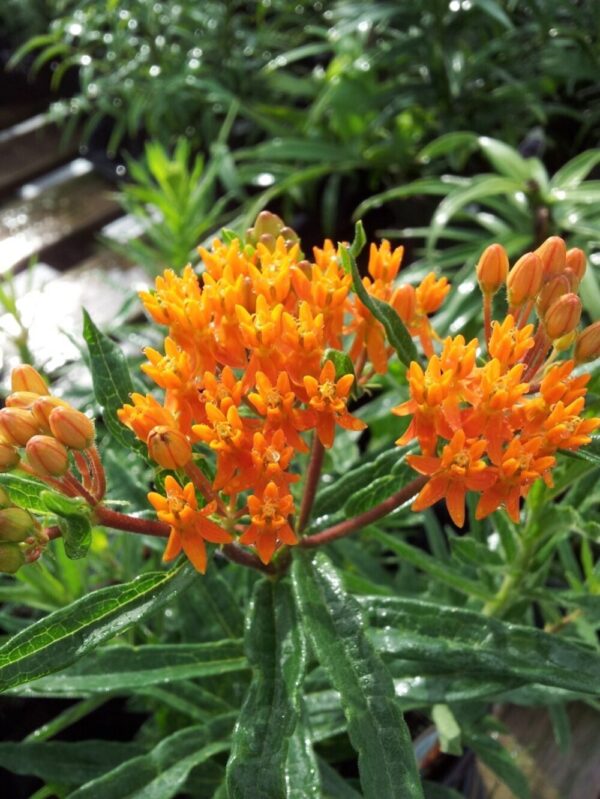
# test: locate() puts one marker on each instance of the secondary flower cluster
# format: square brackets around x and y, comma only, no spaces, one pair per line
[44,426]
[247,370]
[495,425]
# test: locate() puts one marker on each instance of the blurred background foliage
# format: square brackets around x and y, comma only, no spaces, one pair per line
[342,95]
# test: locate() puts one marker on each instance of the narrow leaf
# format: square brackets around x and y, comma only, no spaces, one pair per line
[67,634]
[162,773]
[276,650]
[375,725]
[65,763]
[126,668]
[469,643]
[111,379]
[397,334]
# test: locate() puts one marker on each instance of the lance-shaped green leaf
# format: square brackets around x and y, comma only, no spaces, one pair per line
[303,779]
[501,762]
[127,668]
[375,724]
[67,634]
[73,520]
[470,643]
[162,773]
[276,650]
[397,334]
[112,381]
[64,762]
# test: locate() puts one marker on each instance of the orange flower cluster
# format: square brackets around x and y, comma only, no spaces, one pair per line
[413,306]
[495,427]
[246,373]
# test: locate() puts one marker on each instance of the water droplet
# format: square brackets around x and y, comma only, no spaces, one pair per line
[132,24]
[364,26]
[85,60]
[154,71]
[264,179]
[454,5]
[160,41]
[75,29]
[193,63]
[121,170]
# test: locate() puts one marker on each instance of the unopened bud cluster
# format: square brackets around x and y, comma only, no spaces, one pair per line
[21,537]
[548,280]
[42,425]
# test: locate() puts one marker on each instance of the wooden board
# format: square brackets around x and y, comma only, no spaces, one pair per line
[29,227]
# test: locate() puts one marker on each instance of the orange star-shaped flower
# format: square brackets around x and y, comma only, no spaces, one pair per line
[459,469]
[269,521]
[190,526]
[327,400]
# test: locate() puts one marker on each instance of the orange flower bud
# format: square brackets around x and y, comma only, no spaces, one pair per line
[576,264]
[9,457]
[492,269]
[16,524]
[47,456]
[524,279]
[11,558]
[563,316]
[587,347]
[17,425]
[71,427]
[168,447]
[21,399]
[43,407]
[553,255]
[404,301]
[550,292]
[26,378]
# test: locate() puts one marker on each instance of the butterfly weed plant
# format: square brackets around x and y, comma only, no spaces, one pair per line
[303,424]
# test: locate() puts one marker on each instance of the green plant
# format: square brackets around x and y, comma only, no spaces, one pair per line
[279,673]
[175,202]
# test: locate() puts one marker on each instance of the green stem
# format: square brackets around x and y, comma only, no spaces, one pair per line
[508,592]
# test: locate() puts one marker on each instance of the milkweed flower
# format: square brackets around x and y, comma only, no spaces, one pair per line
[190,527]
[501,421]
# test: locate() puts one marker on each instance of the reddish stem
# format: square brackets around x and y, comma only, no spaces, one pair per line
[132,524]
[51,481]
[487,317]
[98,472]
[312,480]
[85,471]
[238,555]
[71,481]
[366,518]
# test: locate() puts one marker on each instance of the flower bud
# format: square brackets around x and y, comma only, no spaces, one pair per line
[47,456]
[26,378]
[16,524]
[587,346]
[576,264]
[43,407]
[492,269]
[404,301]
[563,316]
[553,255]
[9,457]
[21,399]
[11,558]
[17,426]
[550,292]
[524,279]
[565,342]
[169,448]
[71,427]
